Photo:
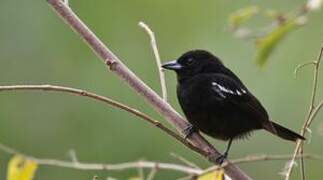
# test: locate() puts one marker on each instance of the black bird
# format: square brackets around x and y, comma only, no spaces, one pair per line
[216,102]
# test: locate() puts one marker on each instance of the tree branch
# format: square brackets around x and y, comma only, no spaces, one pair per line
[104,99]
[115,64]
[119,167]
[265,157]
[157,57]
[110,167]
[309,118]
[183,160]
[154,166]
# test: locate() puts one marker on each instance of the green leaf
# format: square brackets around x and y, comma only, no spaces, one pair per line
[242,15]
[267,44]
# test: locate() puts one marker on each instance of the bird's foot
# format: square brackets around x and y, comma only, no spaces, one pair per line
[222,158]
[188,131]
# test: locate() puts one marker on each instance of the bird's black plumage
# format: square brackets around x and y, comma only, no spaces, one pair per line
[216,102]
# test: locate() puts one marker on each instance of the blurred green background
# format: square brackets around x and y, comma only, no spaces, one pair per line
[36,47]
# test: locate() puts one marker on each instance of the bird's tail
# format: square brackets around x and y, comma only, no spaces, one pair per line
[283,132]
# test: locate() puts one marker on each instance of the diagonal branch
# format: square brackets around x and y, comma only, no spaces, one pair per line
[104,99]
[157,57]
[115,65]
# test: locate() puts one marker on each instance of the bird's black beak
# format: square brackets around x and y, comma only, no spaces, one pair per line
[172,65]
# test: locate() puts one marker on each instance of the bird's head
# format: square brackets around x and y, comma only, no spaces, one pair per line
[193,63]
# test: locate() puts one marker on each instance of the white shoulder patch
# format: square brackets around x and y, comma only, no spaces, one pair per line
[221,89]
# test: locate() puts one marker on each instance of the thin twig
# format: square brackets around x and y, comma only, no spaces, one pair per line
[73,156]
[264,157]
[97,166]
[104,99]
[149,164]
[119,167]
[303,175]
[185,161]
[309,118]
[275,157]
[152,173]
[153,43]
[300,66]
[9,150]
[141,173]
[314,113]
[116,66]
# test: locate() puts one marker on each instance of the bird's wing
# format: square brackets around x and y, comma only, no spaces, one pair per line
[228,90]
[232,92]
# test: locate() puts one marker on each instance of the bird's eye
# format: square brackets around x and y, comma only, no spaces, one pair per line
[189,61]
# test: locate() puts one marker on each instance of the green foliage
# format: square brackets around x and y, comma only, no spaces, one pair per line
[267,43]
[242,15]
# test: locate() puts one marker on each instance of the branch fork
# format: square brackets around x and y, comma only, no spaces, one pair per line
[138,85]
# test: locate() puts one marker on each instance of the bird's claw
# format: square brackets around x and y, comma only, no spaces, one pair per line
[221,158]
[188,131]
